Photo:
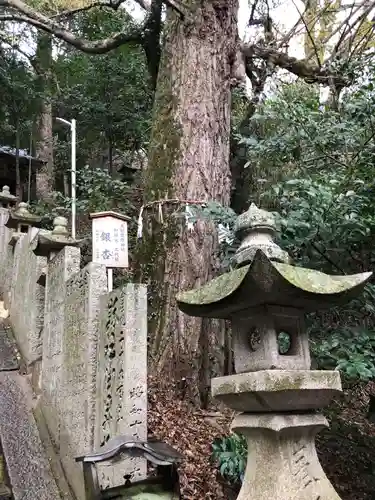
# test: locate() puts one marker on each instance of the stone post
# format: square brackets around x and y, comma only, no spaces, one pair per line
[122,377]
[26,305]
[79,369]
[63,261]
[275,392]
[7,200]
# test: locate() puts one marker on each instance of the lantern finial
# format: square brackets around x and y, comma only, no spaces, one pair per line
[257,229]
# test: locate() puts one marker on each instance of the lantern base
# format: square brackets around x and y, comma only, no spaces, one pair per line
[282,460]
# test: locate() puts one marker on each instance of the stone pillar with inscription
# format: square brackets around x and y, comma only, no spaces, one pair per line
[122,377]
[63,261]
[7,201]
[26,307]
[81,333]
[274,390]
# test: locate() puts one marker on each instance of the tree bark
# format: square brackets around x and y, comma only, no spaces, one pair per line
[44,145]
[188,160]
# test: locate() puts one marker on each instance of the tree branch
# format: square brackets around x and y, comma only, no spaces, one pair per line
[23,13]
[367,5]
[299,67]
[26,14]
[151,40]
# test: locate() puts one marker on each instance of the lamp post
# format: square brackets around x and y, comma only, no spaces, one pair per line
[72,126]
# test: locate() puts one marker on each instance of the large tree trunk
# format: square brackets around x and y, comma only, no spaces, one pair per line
[44,145]
[188,161]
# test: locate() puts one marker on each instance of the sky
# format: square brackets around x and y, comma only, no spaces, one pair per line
[286,15]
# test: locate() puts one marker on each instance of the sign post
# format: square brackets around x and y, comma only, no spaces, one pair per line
[110,241]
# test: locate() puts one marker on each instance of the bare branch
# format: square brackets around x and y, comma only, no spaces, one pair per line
[97,47]
[367,5]
[111,4]
[308,34]
[254,6]
[299,67]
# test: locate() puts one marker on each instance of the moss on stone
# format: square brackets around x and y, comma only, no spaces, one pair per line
[217,289]
[309,280]
[285,278]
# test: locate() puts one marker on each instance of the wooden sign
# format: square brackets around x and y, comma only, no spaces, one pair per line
[110,239]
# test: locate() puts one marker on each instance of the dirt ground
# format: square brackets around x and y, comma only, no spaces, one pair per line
[346,450]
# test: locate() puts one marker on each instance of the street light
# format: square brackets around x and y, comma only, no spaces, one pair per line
[72,126]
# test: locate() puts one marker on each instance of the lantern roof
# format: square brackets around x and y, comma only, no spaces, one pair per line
[264,282]
[265,277]
[6,197]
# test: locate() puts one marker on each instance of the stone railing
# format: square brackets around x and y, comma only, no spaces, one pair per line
[85,348]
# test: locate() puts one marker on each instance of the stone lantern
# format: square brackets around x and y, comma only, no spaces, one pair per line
[276,394]
[7,200]
[50,243]
[20,220]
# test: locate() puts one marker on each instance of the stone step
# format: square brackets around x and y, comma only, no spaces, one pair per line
[28,467]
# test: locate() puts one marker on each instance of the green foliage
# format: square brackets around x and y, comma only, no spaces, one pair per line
[322,186]
[315,169]
[351,352]
[96,191]
[18,99]
[323,225]
[230,453]
[109,95]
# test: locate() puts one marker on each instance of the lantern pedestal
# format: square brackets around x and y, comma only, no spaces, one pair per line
[282,462]
[280,426]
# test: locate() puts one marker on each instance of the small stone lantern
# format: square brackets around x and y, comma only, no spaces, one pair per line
[49,243]
[21,220]
[277,394]
[7,200]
